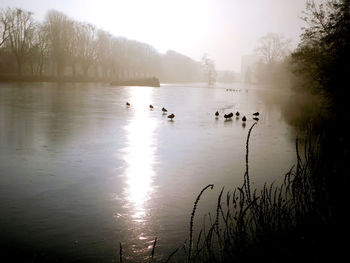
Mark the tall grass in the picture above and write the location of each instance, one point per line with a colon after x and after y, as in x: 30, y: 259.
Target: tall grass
x: 278, y: 223
x: 284, y: 222
x: 270, y: 223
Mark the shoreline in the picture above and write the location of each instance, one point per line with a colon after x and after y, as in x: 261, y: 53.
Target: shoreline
x: 154, y: 82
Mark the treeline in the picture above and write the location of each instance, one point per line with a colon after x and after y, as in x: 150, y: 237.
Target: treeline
x: 317, y: 71
x: 270, y: 63
x: 61, y: 47
x: 321, y: 60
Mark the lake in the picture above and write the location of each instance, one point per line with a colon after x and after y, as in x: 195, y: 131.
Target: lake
x: 80, y: 172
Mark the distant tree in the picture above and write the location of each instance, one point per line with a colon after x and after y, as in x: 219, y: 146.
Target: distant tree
x: 103, y: 51
x: 119, y: 62
x: 175, y: 67
x: 20, y: 34
x: 86, y: 43
x: 4, y: 27
x: 60, y: 43
x: 38, y: 52
x: 272, y: 48
x: 209, y: 69
x: 60, y: 32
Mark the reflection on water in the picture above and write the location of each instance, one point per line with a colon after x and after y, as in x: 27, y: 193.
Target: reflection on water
x: 139, y: 154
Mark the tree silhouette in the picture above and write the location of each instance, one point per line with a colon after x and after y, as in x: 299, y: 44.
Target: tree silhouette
x: 209, y: 69
x: 272, y: 48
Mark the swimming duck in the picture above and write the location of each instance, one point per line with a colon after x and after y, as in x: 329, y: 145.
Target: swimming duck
x: 151, y: 106
x: 216, y: 113
x: 244, y: 118
x: 127, y: 104
x: 164, y: 109
x: 256, y: 113
x: 228, y: 116
x: 237, y: 113
x: 171, y: 116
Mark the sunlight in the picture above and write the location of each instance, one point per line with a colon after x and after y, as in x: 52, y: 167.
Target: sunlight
x: 139, y: 153
x: 155, y: 21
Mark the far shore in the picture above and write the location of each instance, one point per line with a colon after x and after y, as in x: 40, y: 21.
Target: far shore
x: 79, y: 79
x: 152, y: 82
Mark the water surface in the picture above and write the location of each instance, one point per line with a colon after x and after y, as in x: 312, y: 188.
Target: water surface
x: 81, y: 172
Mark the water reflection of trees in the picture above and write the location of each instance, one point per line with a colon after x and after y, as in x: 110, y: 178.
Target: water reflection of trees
x: 54, y: 114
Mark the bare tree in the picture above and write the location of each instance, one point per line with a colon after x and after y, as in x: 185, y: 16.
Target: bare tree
x: 38, y: 49
x: 209, y: 69
x: 322, y: 57
x: 21, y: 31
x: 60, y: 42
x: 272, y: 48
x: 4, y: 27
x: 86, y: 41
x: 103, y: 51
x: 60, y: 32
x: 119, y: 63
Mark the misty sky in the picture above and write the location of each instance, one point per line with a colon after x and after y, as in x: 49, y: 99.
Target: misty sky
x: 225, y: 29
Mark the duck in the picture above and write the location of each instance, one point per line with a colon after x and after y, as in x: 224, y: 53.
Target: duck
x: 228, y: 116
x: 244, y: 118
x: 217, y: 114
x: 171, y: 116
x: 164, y: 109
x: 255, y: 118
x: 237, y: 113
x: 256, y: 113
x: 127, y: 104
x: 151, y: 106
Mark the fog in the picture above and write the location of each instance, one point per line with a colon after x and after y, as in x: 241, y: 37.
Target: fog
x: 115, y: 114
x: 226, y: 30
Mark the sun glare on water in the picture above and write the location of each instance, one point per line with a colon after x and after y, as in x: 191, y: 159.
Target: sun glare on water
x: 140, y: 151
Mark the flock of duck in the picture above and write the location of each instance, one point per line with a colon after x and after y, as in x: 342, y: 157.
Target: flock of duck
x: 164, y: 110
x: 234, y: 90
x: 244, y: 119
x: 226, y: 116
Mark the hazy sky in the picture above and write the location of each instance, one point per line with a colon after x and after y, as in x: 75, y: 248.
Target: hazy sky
x: 225, y: 29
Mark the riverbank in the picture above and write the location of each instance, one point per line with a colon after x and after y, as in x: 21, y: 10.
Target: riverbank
x: 151, y: 82
x: 301, y: 220
x: 15, y: 78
